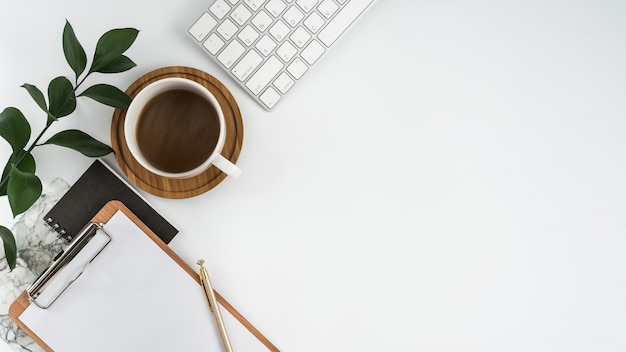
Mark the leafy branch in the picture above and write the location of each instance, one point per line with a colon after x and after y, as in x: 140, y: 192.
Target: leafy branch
x: 19, y: 182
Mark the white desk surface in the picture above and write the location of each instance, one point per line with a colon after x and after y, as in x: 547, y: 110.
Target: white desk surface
x: 450, y: 178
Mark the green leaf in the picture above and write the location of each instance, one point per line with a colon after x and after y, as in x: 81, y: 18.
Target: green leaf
x: 14, y: 128
x: 27, y: 165
x: 119, y: 64
x: 81, y: 142
x: 108, y: 95
x: 10, y: 247
x: 37, y: 96
x: 111, y: 45
x: 23, y: 190
x: 74, y: 52
x: 61, y: 97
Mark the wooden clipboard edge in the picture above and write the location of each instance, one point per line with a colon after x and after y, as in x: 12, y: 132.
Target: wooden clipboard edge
x: 104, y: 215
x: 15, y: 310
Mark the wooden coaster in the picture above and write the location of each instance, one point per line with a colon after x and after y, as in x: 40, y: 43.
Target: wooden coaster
x: 188, y: 187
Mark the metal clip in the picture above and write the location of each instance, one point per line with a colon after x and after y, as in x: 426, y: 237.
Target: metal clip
x: 45, y: 289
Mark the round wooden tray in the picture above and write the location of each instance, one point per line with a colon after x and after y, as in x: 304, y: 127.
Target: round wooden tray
x: 179, y: 188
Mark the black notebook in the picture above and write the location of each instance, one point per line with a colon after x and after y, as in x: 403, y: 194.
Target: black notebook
x: 96, y: 187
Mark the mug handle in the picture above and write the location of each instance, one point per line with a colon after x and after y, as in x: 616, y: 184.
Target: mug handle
x: 226, y: 166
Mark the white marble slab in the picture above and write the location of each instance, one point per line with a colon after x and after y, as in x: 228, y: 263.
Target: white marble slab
x: 36, y: 244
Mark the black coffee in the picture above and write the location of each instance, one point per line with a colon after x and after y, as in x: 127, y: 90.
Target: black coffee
x: 177, y: 130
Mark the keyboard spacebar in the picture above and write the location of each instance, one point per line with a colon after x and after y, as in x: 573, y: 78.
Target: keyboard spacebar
x: 342, y: 21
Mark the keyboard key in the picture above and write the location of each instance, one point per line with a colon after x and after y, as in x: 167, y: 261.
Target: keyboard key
x: 275, y: 7
x: 231, y: 53
x: 293, y: 16
x: 283, y: 82
x: 342, y: 21
x: 286, y: 51
x: 314, y: 22
x: 248, y: 35
x: 262, y: 20
x: 264, y: 75
x: 306, y: 5
x: 266, y: 45
x: 241, y: 14
x: 270, y: 97
x: 202, y: 27
x: 279, y: 30
x: 297, y: 68
x: 213, y: 44
x: 254, y: 4
x: 227, y: 29
x: 327, y: 8
x: 300, y: 36
x: 312, y: 52
x: 219, y: 8
x: 247, y: 65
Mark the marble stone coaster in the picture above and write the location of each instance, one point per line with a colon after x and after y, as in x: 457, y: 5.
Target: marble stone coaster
x: 36, y: 246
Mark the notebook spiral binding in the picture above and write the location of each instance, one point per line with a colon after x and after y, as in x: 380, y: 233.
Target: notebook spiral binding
x: 61, y: 233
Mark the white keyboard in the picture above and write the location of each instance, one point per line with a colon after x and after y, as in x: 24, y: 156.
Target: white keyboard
x: 269, y: 45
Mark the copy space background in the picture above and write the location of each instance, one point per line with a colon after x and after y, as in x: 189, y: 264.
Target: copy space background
x: 449, y: 178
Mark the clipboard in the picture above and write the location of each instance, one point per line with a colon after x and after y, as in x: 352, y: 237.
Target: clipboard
x: 23, y: 302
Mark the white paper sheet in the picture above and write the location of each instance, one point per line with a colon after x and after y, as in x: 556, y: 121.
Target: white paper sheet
x: 134, y: 297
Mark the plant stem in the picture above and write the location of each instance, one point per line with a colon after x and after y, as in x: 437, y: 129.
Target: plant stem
x: 34, y: 143
x: 81, y: 82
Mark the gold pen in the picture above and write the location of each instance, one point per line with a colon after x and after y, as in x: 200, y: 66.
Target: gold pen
x: 213, y: 306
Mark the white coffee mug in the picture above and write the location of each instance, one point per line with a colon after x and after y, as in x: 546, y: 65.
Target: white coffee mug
x: 163, y: 85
